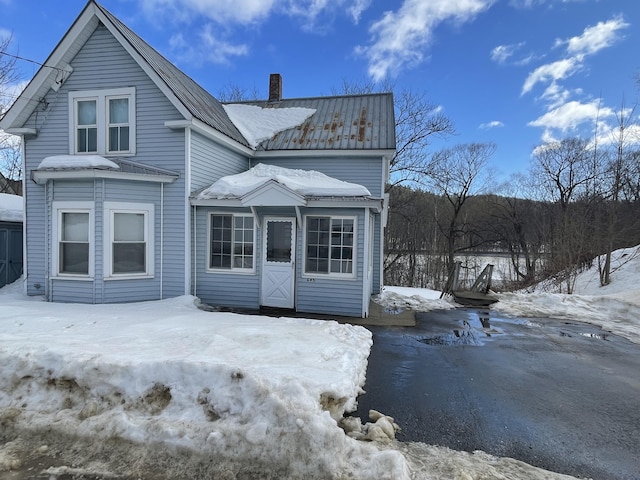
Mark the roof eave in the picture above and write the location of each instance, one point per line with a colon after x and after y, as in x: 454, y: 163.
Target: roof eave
x: 45, y: 77
x: 42, y: 176
x: 325, y: 153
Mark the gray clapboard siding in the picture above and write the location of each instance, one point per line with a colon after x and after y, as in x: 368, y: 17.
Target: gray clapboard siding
x: 236, y: 290
x: 366, y: 171
x: 103, y: 63
x: 72, y: 291
x: 332, y: 296
x: 210, y: 161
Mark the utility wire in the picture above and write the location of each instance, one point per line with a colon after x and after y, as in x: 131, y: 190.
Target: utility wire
x: 18, y: 57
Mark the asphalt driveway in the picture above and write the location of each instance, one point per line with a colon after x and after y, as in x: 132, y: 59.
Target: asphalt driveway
x: 559, y: 395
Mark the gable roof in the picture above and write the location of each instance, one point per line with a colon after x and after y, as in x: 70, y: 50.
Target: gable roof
x: 345, y: 123
x: 189, y: 98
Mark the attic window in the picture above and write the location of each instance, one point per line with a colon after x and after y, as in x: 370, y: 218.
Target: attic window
x: 102, y: 121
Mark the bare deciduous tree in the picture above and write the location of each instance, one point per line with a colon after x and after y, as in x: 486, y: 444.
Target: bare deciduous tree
x: 418, y: 121
x: 10, y: 160
x: 457, y: 174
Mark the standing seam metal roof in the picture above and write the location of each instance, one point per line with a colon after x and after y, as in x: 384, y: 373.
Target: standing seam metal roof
x: 348, y: 122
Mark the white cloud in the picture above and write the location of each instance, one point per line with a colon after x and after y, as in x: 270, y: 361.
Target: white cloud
x: 221, y: 11
x: 399, y: 38
x: 502, y: 53
x: 203, y: 43
x: 210, y: 48
x: 492, y: 124
x: 551, y: 72
x: 246, y: 12
x: 571, y: 115
x: 358, y: 7
x: 596, y: 38
x: 592, y: 40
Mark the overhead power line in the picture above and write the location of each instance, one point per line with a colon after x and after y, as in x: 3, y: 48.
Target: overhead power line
x: 18, y: 57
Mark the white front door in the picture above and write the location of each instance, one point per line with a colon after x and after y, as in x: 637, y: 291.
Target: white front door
x: 278, y: 262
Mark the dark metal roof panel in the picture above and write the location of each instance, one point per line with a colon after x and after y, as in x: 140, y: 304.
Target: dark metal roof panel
x: 349, y: 122
x: 200, y: 103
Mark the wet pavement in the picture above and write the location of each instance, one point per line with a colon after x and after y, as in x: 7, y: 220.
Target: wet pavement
x: 563, y: 396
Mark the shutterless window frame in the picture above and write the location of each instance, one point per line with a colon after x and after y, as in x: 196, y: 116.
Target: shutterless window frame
x: 330, y: 245
x: 102, y: 125
x: 111, y: 209
x: 234, y: 243
x: 59, y: 209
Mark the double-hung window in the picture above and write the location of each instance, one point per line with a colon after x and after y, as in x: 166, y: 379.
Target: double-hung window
x: 73, y: 236
x: 329, y: 245
x: 102, y: 121
x: 231, y: 242
x: 128, y: 240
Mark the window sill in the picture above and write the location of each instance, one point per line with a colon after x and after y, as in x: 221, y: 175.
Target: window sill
x: 127, y: 277
x: 77, y: 278
x: 230, y: 271
x: 329, y: 276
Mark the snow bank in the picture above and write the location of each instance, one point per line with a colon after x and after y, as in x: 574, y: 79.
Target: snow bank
x: 258, y: 124
x: 614, y: 307
x: 56, y: 162
x: 228, y: 386
x: 200, y: 395
x: 304, y: 182
x: 11, y: 208
x: 418, y: 299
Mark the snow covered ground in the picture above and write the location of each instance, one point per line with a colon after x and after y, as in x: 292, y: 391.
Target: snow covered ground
x: 198, y: 394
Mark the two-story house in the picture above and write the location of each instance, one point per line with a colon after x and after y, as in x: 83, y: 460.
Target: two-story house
x: 140, y: 185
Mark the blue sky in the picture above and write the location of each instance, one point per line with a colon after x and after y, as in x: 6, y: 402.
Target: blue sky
x: 512, y: 72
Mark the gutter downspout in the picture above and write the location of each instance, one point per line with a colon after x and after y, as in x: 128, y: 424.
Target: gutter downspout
x: 162, y: 241
x: 367, y: 278
x: 23, y: 169
x: 187, y: 210
x: 195, y: 251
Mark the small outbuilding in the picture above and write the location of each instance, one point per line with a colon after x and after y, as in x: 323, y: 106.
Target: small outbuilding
x: 11, y: 213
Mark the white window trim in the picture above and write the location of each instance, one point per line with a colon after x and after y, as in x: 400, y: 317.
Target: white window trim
x: 102, y: 119
x: 331, y: 275
x: 232, y: 270
x: 58, y: 208
x: 148, y: 209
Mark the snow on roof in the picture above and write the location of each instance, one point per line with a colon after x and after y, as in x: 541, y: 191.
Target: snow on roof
x: 11, y: 208
x: 76, y: 161
x: 305, y: 182
x: 258, y: 124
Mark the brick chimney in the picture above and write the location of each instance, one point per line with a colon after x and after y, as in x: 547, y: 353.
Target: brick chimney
x: 275, y: 87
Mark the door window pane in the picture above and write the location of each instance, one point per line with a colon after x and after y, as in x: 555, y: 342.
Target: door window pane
x: 279, y: 242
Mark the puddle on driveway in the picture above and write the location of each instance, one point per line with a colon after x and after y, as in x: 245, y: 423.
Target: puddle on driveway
x: 476, y: 327
x: 472, y: 332
x: 458, y: 337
